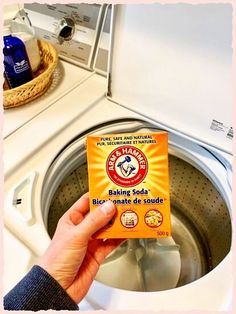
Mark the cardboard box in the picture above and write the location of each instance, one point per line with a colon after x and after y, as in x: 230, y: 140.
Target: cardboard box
x: 132, y: 171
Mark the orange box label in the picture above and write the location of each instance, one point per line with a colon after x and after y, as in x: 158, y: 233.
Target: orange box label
x: 131, y: 170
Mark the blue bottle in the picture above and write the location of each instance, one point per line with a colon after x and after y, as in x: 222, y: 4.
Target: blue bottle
x: 16, y: 62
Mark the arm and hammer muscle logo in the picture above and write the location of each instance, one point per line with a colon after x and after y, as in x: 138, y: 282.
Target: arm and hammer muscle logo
x: 127, y: 166
x: 127, y: 169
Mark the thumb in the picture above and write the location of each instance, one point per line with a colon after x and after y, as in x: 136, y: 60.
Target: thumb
x: 96, y: 219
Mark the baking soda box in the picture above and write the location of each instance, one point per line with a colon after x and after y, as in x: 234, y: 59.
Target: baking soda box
x: 131, y: 170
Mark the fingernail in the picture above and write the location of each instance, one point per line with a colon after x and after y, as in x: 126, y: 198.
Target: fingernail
x: 107, y: 207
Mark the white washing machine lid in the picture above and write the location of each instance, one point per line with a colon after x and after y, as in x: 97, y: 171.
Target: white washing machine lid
x: 173, y: 64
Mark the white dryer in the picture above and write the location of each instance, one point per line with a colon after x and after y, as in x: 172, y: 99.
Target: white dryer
x: 148, y: 90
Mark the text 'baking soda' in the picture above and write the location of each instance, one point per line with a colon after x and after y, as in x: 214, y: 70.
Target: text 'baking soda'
x: 131, y: 170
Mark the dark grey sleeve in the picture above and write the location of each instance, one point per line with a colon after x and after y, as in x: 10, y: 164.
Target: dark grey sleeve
x: 38, y: 291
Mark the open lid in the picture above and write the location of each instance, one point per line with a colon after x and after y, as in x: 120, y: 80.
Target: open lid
x: 173, y: 64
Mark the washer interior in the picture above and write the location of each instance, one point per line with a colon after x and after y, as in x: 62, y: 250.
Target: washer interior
x: 201, y: 230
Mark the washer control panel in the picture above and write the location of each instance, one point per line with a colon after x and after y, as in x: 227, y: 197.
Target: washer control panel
x: 102, y: 53
x: 72, y: 28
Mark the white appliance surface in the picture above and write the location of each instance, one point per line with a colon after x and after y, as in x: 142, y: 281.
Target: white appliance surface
x: 27, y: 168
x: 42, y: 129
x: 185, y: 52
x: 15, y: 118
x: 101, y: 58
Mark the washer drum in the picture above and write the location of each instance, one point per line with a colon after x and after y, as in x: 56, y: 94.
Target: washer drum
x: 201, y: 233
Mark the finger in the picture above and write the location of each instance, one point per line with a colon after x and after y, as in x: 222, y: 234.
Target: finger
x: 78, y: 210
x: 96, y: 219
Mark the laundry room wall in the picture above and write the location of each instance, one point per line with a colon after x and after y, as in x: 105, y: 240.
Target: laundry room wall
x: 10, y: 10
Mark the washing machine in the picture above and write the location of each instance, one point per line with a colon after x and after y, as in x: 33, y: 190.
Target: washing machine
x: 75, y: 31
x: 171, y: 73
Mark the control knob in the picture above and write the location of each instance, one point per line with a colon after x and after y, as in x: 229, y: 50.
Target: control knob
x: 65, y: 29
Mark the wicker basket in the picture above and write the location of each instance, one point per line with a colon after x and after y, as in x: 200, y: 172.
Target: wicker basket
x: 21, y: 95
